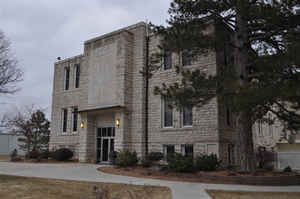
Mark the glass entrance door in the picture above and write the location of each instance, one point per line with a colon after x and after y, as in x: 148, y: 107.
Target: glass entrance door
x: 105, y: 143
x: 105, y: 149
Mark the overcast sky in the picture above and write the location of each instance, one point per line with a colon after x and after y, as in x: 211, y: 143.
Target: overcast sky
x: 42, y: 30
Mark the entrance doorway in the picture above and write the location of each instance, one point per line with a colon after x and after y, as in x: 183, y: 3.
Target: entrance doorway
x: 105, y: 143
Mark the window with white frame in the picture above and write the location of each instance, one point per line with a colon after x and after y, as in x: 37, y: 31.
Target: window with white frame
x: 67, y: 78
x: 64, y: 115
x: 76, y: 75
x: 187, y: 116
x: 167, y: 60
x: 167, y: 113
x: 75, y: 118
x: 187, y: 150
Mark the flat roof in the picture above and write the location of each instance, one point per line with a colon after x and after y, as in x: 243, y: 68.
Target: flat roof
x: 96, y: 108
x: 115, y: 32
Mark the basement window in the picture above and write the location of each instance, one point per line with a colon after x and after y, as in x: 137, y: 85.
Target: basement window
x: 187, y: 150
x: 169, y: 151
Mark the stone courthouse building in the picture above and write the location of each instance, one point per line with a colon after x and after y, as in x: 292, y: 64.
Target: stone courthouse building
x: 99, y: 102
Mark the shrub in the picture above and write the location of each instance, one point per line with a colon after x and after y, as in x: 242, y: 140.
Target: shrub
x: 45, y: 155
x: 180, y: 163
x: 62, y: 154
x: 230, y: 167
x: 112, y: 157
x: 34, y: 154
x: 287, y: 169
x: 207, y: 162
x: 155, y: 156
x: 265, y: 159
x: 14, y: 156
x: 126, y: 159
x: 146, y: 162
x: 14, y: 153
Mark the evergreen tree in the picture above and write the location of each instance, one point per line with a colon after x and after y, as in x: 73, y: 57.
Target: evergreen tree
x: 41, y: 131
x: 260, y: 70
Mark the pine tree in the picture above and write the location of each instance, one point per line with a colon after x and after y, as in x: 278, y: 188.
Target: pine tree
x: 261, y: 68
x: 41, y: 131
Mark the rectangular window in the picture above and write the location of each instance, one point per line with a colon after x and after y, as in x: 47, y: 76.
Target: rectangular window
x: 228, y: 118
x: 77, y: 75
x: 271, y: 130
x: 169, y: 151
x: 75, y: 119
x: 259, y: 127
x: 167, y: 61
x: 167, y: 113
x: 186, y: 58
x: 270, y: 125
x: 231, y: 157
x: 64, y: 120
x: 187, y: 150
x: 187, y: 116
x: 67, y: 78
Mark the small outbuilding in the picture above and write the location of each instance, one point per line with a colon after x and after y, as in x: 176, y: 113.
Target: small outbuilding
x: 9, y: 142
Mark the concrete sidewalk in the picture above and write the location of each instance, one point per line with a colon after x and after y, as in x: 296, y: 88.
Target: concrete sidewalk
x: 88, y: 172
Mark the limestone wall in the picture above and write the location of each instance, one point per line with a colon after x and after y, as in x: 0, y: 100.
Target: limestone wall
x: 204, y: 132
x: 67, y: 99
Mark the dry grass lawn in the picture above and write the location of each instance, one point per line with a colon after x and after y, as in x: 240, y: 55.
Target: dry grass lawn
x: 216, y: 194
x: 12, y: 187
x: 4, y: 158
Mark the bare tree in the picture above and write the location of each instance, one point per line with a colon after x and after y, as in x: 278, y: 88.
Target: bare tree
x: 10, y: 73
x: 18, y: 122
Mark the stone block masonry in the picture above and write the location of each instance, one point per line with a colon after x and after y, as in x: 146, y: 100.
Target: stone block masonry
x: 112, y: 88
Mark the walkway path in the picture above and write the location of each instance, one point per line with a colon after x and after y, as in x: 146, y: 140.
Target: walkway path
x: 88, y: 172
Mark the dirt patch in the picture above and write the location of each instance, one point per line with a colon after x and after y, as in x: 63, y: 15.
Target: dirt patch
x: 4, y: 158
x: 216, y: 177
x: 12, y: 187
x: 48, y: 161
x: 216, y: 194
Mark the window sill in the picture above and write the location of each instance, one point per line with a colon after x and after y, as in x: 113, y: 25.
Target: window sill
x: 73, y: 90
x: 168, y: 127
x: 162, y: 71
x: 177, y: 129
x: 167, y: 69
x: 187, y: 126
x: 69, y: 134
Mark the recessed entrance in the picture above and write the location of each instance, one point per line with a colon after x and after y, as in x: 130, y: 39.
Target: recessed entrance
x: 105, y: 143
